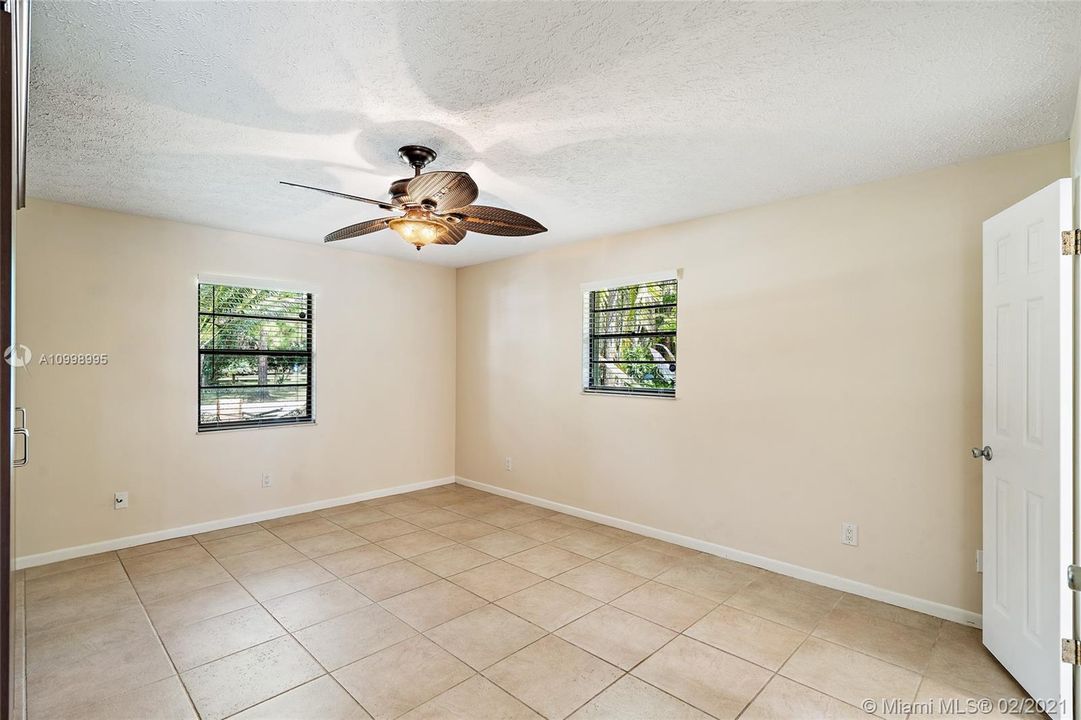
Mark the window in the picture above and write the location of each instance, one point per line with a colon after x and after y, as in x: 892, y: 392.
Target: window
x: 255, y: 357
x: 631, y: 339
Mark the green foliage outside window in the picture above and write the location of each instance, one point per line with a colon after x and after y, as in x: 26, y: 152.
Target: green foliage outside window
x: 254, y: 355
x: 632, y: 338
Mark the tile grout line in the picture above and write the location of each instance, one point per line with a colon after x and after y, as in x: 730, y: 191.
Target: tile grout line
x: 807, y: 634
x: 623, y: 673
x: 416, y: 632
x: 777, y: 672
x: 161, y: 643
x: 290, y: 633
x: 679, y: 561
x: 679, y: 634
x: 263, y: 607
x: 423, y: 633
x: 142, y: 604
x: 447, y: 577
x: 287, y: 633
x: 773, y: 673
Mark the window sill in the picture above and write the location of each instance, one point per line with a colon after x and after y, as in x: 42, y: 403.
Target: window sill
x: 616, y: 393
x: 282, y: 426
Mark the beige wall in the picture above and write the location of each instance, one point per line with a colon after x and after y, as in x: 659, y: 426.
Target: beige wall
x: 95, y: 281
x: 829, y: 370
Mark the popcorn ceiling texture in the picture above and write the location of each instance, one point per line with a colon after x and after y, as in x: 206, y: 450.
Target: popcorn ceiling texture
x: 594, y: 118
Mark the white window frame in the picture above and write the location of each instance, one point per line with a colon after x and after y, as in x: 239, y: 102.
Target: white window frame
x: 589, y: 287
x: 260, y: 283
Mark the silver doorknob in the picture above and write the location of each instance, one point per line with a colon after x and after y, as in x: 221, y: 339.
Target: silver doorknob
x: 984, y: 452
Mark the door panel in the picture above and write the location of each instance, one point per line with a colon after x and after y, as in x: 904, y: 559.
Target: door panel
x: 1028, y: 422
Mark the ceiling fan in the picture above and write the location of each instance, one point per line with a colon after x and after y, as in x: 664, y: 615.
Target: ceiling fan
x: 435, y: 207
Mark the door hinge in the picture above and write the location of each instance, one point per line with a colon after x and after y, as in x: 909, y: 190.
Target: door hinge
x: 1071, y: 242
x: 1073, y: 577
x: 1071, y: 652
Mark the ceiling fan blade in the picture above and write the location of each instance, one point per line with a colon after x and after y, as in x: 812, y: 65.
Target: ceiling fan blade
x: 361, y: 228
x: 455, y: 234
x: 380, y: 203
x: 497, y: 221
x: 448, y: 190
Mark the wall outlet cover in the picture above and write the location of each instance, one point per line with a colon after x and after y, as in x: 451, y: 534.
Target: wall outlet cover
x: 850, y: 533
x: 120, y: 500
x: 267, y: 480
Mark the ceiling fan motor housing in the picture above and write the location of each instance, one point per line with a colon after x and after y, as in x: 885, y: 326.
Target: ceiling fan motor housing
x: 416, y: 156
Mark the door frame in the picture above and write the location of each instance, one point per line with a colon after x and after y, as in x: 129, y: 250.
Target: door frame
x: 7, y: 410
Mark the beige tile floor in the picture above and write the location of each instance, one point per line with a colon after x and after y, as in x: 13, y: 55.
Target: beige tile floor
x: 453, y: 603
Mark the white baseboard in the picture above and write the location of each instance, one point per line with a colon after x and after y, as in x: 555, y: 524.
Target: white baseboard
x: 929, y: 607
x: 132, y: 540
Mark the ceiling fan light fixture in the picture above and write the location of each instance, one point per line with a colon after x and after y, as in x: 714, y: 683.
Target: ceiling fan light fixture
x: 437, y: 207
x: 417, y: 229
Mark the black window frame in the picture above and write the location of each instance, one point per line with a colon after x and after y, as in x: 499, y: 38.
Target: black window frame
x: 592, y: 362
x: 308, y: 355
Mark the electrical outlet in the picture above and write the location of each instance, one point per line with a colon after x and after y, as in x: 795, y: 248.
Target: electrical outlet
x: 979, y: 561
x: 267, y: 480
x: 120, y: 500
x: 507, y: 463
x: 850, y: 533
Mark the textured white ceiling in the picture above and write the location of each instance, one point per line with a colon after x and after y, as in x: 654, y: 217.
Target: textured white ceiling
x: 593, y: 118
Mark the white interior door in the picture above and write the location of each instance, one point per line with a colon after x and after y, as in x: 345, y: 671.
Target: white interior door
x: 1028, y: 424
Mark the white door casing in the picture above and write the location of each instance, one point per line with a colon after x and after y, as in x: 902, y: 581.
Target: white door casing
x: 1028, y: 423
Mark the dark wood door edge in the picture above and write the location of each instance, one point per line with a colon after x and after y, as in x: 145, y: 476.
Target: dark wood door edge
x: 7, y: 210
